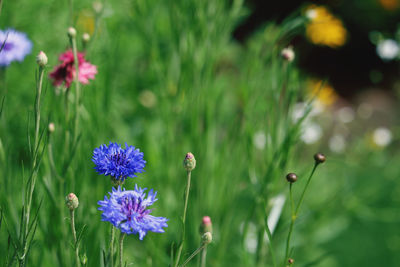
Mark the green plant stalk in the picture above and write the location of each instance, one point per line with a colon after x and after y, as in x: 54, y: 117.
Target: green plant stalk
x: 271, y: 247
x: 184, y: 218
x: 295, y: 212
x: 305, y: 188
x: 193, y: 254
x: 76, y: 244
x: 293, y: 219
x: 112, y: 245
x: 32, y: 182
x: 77, y: 86
x: 37, y: 111
x: 121, y: 248
x: 203, y: 259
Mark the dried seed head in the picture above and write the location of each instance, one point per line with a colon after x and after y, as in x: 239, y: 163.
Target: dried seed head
x: 207, y: 238
x: 319, y: 158
x: 189, y: 162
x: 206, y: 225
x: 71, y: 32
x: 41, y: 59
x: 72, y: 201
x: 291, y: 177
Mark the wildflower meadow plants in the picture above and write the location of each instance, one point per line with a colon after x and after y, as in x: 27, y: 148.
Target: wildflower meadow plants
x: 208, y: 95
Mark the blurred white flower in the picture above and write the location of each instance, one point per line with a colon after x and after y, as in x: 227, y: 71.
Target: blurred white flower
x: 345, y: 114
x: 300, y: 109
x: 312, y: 132
x: 276, y: 211
x: 382, y: 136
x: 387, y: 49
x: 337, y: 143
x: 259, y: 140
x: 311, y: 14
x: 250, y: 241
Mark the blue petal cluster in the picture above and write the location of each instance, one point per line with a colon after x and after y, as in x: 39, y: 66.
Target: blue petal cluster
x: 126, y: 210
x: 118, y: 162
x: 16, y: 46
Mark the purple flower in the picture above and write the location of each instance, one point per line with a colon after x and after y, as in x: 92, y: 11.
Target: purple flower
x: 127, y: 211
x: 117, y: 161
x: 16, y: 46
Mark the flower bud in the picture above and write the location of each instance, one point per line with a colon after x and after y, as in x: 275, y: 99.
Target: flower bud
x: 190, y: 162
x: 206, y: 225
x: 71, y: 32
x: 319, y: 158
x: 291, y: 177
x: 41, y: 59
x: 71, y: 200
x: 51, y: 127
x: 85, y: 37
x: 206, y: 238
x: 290, y: 261
x: 288, y: 54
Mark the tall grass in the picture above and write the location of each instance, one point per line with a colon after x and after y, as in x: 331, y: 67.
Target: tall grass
x: 171, y: 80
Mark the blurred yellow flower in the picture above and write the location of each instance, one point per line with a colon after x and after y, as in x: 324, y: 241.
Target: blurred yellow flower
x: 324, y: 28
x: 86, y: 22
x: 323, y: 92
x: 389, y: 4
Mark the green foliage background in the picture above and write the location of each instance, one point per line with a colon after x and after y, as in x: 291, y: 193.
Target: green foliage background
x: 212, y: 95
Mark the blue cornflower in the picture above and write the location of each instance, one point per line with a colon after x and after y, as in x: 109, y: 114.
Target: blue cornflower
x: 126, y: 210
x: 118, y: 162
x: 16, y: 46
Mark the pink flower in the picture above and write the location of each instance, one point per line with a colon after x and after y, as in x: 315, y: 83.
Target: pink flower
x: 65, y: 72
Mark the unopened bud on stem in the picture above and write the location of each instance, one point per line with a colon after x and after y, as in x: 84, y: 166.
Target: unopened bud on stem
x: 291, y: 177
x: 85, y: 37
x: 288, y: 54
x: 71, y: 32
x: 52, y: 127
x: 189, y: 162
x: 206, y: 225
x: 206, y: 238
x: 72, y: 202
x: 319, y: 158
x: 41, y: 59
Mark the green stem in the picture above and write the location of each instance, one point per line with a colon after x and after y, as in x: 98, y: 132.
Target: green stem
x: 77, y: 86
x: 295, y: 212
x: 121, y: 248
x: 76, y: 245
x: 203, y: 257
x: 193, y: 254
x: 305, y: 188
x: 112, y: 245
x: 37, y: 111
x: 293, y: 219
x: 184, y: 218
x: 32, y: 182
x: 271, y: 247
